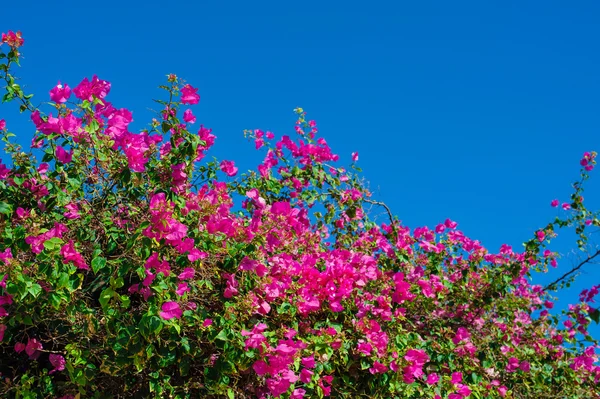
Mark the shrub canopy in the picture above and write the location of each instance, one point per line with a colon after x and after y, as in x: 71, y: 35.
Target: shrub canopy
x: 132, y: 266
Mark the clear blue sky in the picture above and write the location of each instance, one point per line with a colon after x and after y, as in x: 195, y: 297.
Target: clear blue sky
x: 477, y: 111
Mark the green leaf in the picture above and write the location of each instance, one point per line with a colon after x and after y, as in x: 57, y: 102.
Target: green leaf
x: 222, y: 335
x: 595, y: 315
x: 5, y: 208
x: 105, y: 297
x: 98, y: 263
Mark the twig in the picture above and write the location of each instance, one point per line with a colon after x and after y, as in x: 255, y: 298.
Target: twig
x: 573, y: 270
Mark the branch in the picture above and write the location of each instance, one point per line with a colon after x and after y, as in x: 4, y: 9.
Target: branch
x: 573, y: 270
x: 389, y: 212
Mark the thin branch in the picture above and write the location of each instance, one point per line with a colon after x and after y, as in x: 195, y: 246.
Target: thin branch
x: 389, y: 212
x: 573, y: 270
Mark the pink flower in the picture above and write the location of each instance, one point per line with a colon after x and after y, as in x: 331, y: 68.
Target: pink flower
x: 298, y: 393
x: 12, y: 39
x: 2, y: 329
x: 456, y: 377
x: 170, y: 310
x: 189, y: 95
x: 33, y: 348
x: 306, y: 376
x: 554, y: 203
x: 72, y: 211
x: 62, y: 156
x: 462, y: 334
x: 502, y: 390
x: 308, y: 362
x: 378, y: 368
x: 355, y: 156
x: 19, y: 347
x: 188, y: 116
x: 182, y: 288
x: 187, y: 274
x: 450, y: 224
x: 2, y: 124
x: 432, y: 379
x: 58, y: 362
x: 513, y: 364
x: 60, y: 94
x: 86, y: 89
x: 229, y: 168
x: 540, y: 235
x: 525, y: 366
x: 566, y: 206
x: 207, y: 323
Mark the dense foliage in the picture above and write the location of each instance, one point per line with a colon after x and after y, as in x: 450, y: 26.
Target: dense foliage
x: 131, y: 266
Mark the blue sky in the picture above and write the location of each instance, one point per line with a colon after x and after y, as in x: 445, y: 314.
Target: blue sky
x: 477, y: 111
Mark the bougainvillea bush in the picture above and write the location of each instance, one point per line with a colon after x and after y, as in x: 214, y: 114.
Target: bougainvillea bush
x: 131, y: 265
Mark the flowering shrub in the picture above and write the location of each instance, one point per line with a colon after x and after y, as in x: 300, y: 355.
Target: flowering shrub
x: 132, y: 267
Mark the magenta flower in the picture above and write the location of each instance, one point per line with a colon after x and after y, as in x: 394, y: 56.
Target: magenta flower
x: 540, y: 235
x: 188, y: 116
x: 171, y: 310
x: 2, y: 329
x: 187, y: 273
x: 189, y: 95
x: 182, y: 288
x: 2, y: 124
x: 86, y: 89
x: 58, y: 362
x: 525, y: 366
x: 355, y: 156
x: 566, y: 206
x: 33, y: 348
x: 456, y: 377
x: 60, y: 94
x: 432, y: 379
x: 63, y: 156
x: 554, y: 203
x: 229, y: 168
x: 72, y: 211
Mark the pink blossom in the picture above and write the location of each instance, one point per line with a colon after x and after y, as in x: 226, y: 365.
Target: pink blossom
x: 58, y: 362
x: 2, y: 329
x: 170, y: 310
x: 72, y: 211
x: 63, y: 156
x: 355, y: 156
x: 298, y: 393
x: 86, y: 89
x: 33, y: 348
x: 378, y: 368
x: 182, y: 288
x: 2, y: 124
x: 540, y: 235
x: 462, y: 334
x: 60, y: 94
x: 432, y: 379
x: 187, y: 274
x: 189, y: 95
x: 12, y: 39
x: 207, y: 323
x: 229, y: 168
x: 554, y: 203
x: 306, y: 376
x: 566, y: 206
x: 188, y: 116
x: 456, y: 377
